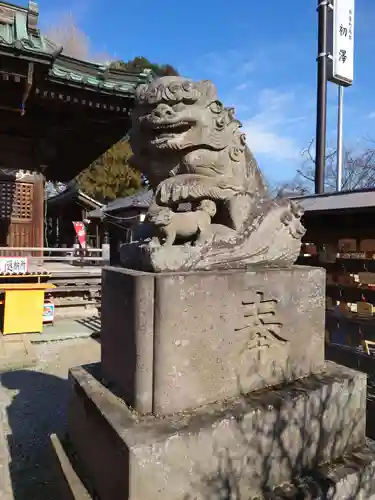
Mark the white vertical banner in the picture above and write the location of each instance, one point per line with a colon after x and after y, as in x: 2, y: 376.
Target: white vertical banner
x: 341, y: 42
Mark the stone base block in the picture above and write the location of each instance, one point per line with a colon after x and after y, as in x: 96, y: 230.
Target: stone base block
x: 352, y: 478
x: 249, y: 444
x: 171, y: 342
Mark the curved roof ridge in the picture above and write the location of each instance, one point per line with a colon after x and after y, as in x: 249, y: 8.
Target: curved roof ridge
x: 19, y: 33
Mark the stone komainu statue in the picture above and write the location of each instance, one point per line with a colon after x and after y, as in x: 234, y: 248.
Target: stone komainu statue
x: 193, y: 151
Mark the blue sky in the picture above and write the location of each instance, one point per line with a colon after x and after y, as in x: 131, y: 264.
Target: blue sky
x: 260, y: 54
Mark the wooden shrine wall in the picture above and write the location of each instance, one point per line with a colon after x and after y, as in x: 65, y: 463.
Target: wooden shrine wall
x: 21, y: 210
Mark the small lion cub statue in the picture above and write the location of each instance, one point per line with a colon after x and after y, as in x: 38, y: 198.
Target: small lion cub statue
x: 188, y: 226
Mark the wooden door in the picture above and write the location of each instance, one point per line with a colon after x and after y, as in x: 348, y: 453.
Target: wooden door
x: 21, y: 211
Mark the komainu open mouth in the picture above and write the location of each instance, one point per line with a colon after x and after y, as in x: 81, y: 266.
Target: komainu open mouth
x: 171, y: 128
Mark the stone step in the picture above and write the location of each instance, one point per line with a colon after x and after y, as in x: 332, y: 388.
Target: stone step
x: 347, y: 479
x: 262, y: 439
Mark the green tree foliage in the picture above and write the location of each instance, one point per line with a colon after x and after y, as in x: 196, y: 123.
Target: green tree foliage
x: 140, y: 63
x: 110, y: 176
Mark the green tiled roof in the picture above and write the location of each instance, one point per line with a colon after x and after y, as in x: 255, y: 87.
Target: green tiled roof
x: 103, y: 78
x: 19, y: 32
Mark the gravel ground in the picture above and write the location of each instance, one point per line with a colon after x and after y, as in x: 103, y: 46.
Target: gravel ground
x: 33, y: 404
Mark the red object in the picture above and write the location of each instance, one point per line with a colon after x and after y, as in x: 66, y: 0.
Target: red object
x: 80, y: 230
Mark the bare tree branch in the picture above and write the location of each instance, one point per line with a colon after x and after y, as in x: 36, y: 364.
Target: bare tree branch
x: 74, y: 41
x: 358, y: 169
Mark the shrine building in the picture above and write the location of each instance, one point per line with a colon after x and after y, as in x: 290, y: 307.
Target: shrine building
x: 57, y: 115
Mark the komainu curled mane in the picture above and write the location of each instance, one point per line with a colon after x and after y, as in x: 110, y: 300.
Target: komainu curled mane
x: 192, y: 149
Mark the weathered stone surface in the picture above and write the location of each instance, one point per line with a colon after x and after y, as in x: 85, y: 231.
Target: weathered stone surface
x: 248, y: 444
x: 176, y: 341
x: 194, y: 153
x: 350, y: 478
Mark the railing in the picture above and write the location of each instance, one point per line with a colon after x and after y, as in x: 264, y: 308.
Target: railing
x: 74, y: 255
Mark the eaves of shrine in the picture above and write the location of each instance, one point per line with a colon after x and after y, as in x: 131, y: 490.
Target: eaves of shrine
x: 57, y: 114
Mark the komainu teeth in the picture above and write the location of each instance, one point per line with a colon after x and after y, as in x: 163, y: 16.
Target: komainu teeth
x: 171, y: 125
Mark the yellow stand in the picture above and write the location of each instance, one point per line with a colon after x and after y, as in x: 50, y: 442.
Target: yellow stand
x: 23, y: 307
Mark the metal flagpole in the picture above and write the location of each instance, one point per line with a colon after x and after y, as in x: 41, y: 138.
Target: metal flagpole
x: 321, y: 115
x: 339, y: 151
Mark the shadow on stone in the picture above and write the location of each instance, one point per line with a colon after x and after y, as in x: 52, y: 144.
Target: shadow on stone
x: 235, y: 449
x: 316, y: 438
x: 38, y: 408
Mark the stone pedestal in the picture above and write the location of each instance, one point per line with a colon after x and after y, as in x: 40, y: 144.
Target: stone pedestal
x: 213, y: 385
x: 172, y: 342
